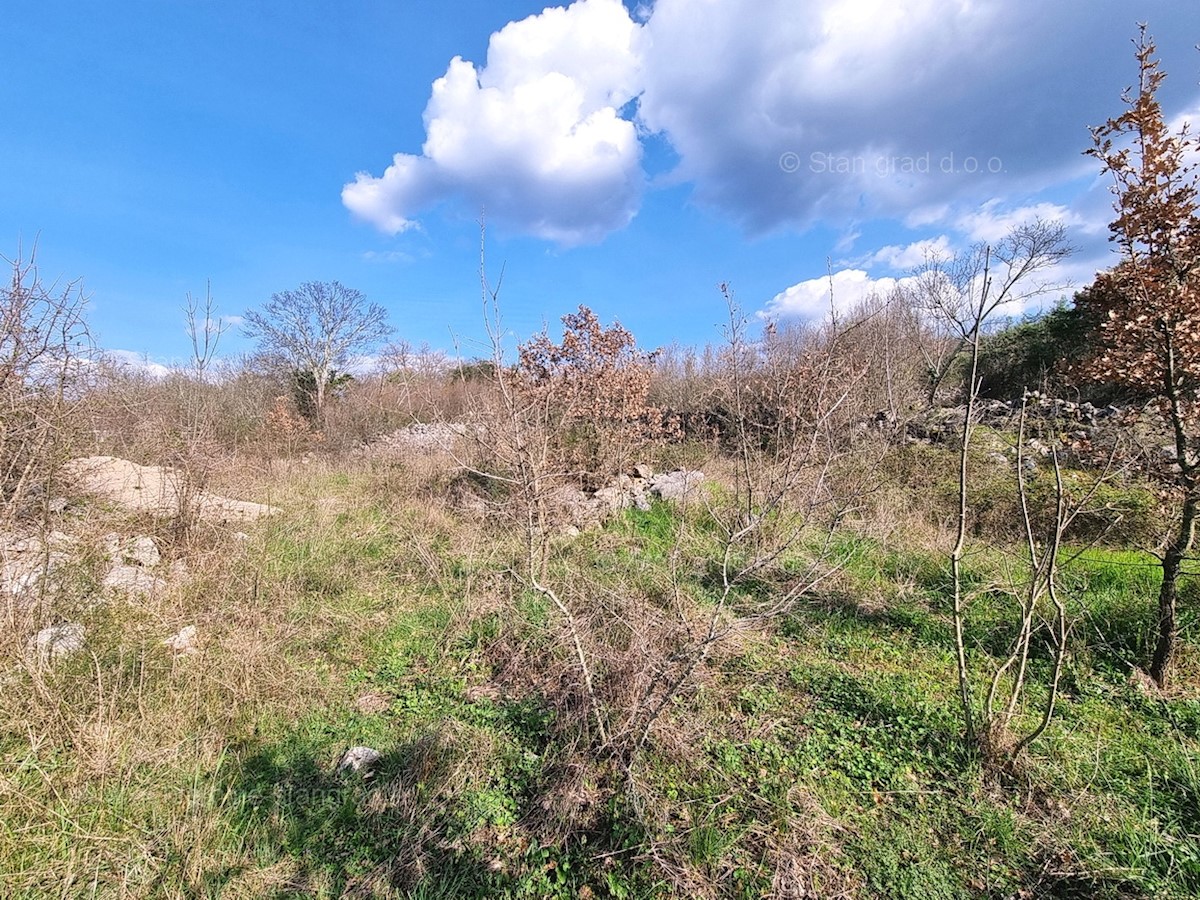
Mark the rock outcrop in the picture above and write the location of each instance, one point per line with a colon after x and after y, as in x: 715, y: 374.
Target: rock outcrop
x: 158, y: 490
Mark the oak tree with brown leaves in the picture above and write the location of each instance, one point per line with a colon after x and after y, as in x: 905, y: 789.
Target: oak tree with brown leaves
x: 594, y: 387
x: 1148, y: 305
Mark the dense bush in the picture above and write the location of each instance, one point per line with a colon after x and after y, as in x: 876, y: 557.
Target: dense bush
x: 1046, y: 352
x: 593, y: 389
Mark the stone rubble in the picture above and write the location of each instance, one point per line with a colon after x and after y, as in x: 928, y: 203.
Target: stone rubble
x: 29, y: 564
x: 130, y: 574
x: 420, y: 437
x: 944, y: 423
x: 142, y: 551
x: 581, y: 510
x: 133, y: 582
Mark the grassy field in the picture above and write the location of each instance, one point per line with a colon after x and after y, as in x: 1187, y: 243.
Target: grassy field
x: 815, y: 754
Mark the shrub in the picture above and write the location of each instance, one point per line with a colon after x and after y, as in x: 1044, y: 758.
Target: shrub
x: 594, y: 389
x: 43, y: 341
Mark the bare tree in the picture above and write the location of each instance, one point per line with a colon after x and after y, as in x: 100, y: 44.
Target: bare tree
x: 43, y: 344
x: 317, y: 328
x: 791, y: 403
x: 43, y: 339
x: 789, y: 399
x: 204, y: 330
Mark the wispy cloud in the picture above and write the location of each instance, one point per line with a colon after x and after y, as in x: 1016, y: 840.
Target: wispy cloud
x: 903, y: 258
x: 387, y: 256
x: 993, y: 220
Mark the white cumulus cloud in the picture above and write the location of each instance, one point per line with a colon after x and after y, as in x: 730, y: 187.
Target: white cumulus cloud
x: 1188, y: 122
x: 776, y: 113
x: 138, y: 362
x: 536, y: 137
x: 784, y: 113
x: 993, y: 220
x: 811, y: 299
x: 780, y: 115
x: 913, y: 255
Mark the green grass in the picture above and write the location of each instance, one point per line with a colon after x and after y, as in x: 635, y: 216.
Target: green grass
x: 819, y: 752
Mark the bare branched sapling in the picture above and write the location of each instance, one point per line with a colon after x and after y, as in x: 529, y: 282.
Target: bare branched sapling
x: 964, y: 292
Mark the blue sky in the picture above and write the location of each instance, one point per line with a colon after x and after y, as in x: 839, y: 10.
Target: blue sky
x: 629, y: 156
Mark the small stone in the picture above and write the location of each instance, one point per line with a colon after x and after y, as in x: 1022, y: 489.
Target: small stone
x: 359, y: 759
x: 1039, y: 447
x: 643, y: 471
x: 28, y: 564
x: 240, y: 536
x: 142, y: 551
x: 18, y: 581
x: 111, y: 544
x: 998, y: 459
x: 1144, y: 684
x: 27, y: 545
x: 676, y: 486
x: 133, y: 581
x: 184, y: 641
x: 56, y: 642
x: 60, y: 540
x: 612, y: 499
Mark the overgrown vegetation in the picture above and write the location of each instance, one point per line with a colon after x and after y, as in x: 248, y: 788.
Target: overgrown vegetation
x: 819, y: 754
x: 877, y: 635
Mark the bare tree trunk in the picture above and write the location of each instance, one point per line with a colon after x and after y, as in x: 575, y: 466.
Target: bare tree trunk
x: 1181, y: 542
x: 1168, y: 591
x: 319, y: 396
x: 956, y: 554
